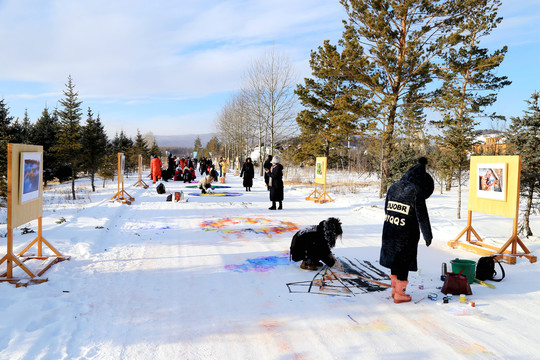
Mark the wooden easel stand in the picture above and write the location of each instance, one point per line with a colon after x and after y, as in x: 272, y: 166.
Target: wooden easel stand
x: 479, y: 247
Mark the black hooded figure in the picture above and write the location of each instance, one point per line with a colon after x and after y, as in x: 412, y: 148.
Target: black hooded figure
x: 315, y: 243
x: 267, y: 166
x: 248, y: 173
x: 406, y: 215
x: 275, y: 183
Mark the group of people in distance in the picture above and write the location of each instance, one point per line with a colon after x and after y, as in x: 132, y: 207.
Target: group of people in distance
x: 406, y: 216
x: 178, y: 169
x: 209, y: 173
x: 273, y: 178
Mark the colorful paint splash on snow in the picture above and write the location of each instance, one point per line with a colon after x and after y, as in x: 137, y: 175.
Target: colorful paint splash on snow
x: 216, y: 194
x: 256, y: 225
x: 260, y: 264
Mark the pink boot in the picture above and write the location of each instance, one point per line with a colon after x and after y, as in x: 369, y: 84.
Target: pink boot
x: 393, y: 279
x: 400, y: 295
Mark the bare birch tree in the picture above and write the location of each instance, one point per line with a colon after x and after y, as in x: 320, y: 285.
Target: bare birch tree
x: 269, y: 88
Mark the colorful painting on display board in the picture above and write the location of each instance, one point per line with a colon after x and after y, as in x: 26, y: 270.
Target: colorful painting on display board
x: 320, y: 170
x: 492, y: 181
x: 494, y: 185
x: 25, y: 183
x: 30, y: 176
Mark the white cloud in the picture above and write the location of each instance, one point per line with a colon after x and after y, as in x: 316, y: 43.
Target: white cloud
x: 124, y: 49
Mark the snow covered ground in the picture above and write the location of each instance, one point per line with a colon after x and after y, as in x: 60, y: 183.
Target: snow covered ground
x: 207, y: 279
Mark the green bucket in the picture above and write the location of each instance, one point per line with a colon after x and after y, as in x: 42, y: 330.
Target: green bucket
x: 468, y: 267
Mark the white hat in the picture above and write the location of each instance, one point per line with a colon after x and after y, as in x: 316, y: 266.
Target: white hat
x: 275, y: 160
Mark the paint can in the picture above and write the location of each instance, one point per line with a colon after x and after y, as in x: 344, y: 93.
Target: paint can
x: 421, y: 287
x: 462, y: 298
x: 445, y: 300
x: 432, y: 296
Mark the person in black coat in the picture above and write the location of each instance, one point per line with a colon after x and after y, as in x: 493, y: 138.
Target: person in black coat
x: 187, y: 175
x: 267, y: 166
x: 212, y: 172
x: 248, y: 173
x: 406, y: 215
x: 275, y: 182
x: 315, y: 243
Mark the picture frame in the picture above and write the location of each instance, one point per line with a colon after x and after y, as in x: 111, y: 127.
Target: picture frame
x: 320, y: 170
x: 30, y: 176
x: 123, y: 164
x: 492, y: 180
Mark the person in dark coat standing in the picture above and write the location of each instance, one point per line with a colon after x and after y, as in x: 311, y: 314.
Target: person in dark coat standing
x: 275, y: 182
x: 248, y: 173
x: 315, y: 243
x: 267, y: 166
x: 406, y: 215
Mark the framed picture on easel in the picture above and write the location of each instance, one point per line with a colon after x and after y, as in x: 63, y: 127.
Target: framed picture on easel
x: 492, y: 180
x: 30, y: 177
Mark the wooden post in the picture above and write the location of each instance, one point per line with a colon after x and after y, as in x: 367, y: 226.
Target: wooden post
x: 121, y: 195
x: 314, y: 194
x: 10, y: 258
x: 140, y: 182
x: 40, y: 241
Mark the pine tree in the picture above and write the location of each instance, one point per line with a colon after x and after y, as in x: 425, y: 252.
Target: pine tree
x: 15, y: 132
x: 94, y: 146
x: 45, y: 133
x: 213, y: 147
x: 109, y: 166
x: 469, y: 86
x: 69, y: 135
x: 389, y: 48
x: 5, y: 125
x: 140, y: 148
x: 122, y: 143
x: 26, y: 129
x: 333, y: 106
x: 155, y: 150
x: 523, y: 138
x: 197, y: 146
x: 19, y: 132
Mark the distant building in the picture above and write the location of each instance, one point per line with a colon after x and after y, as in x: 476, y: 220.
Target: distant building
x: 490, y: 145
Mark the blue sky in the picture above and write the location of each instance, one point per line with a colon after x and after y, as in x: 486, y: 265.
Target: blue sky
x: 169, y: 66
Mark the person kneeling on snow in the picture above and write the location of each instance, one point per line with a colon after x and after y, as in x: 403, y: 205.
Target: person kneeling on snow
x: 315, y: 243
x: 205, y: 183
x: 187, y: 175
x: 406, y: 215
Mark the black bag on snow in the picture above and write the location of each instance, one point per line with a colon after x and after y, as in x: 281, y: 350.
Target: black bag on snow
x: 485, y: 268
x: 160, y: 188
x: 169, y: 197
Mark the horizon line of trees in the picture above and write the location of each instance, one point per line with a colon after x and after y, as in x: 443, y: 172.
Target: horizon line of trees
x: 70, y: 147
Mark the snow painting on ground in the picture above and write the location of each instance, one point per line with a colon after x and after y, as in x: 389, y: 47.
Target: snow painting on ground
x: 210, y: 278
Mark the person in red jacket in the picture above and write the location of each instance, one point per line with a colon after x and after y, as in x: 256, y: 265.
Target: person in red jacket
x: 155, y: 168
